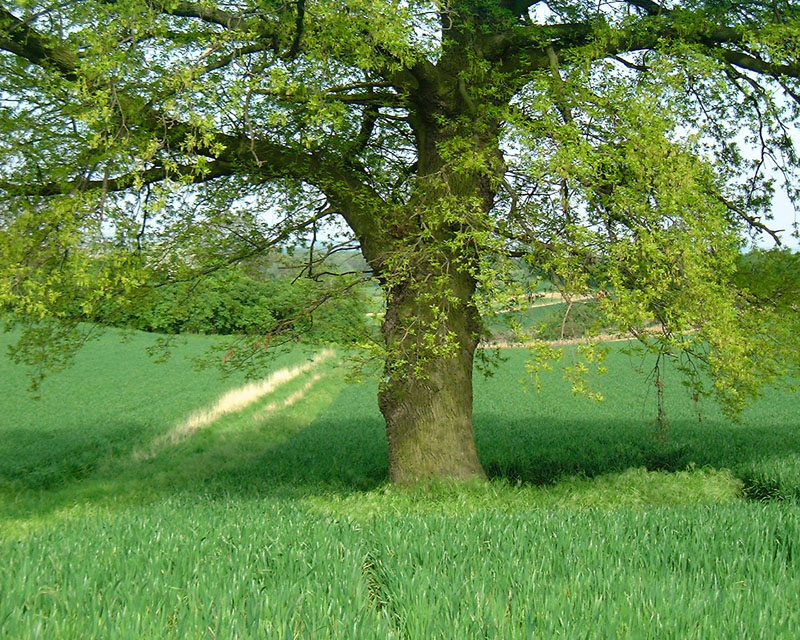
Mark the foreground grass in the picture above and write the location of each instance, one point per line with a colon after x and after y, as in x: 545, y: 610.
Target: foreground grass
x: 213, y: 566
x: 276, y: 521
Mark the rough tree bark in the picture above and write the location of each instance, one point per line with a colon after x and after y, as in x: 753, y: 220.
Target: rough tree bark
x: 426, y: 392
x: 432, y: 326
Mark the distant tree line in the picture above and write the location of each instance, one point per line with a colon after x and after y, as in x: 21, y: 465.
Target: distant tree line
x: 270, y: 296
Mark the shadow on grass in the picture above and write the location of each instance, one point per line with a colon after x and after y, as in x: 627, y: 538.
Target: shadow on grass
x: 541, y: 452
x: 47, y: 459
x: 284, y: 458
x: 344, y: 451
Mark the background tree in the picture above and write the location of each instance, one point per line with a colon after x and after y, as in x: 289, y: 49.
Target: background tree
x: 601, y: 141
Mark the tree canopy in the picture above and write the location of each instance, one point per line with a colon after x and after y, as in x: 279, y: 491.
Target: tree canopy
x: 627, y: 148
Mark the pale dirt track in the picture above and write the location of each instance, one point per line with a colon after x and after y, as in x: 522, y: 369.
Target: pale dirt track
x: 602, y: 337
x: 237, y: 400
x: 551, y: 299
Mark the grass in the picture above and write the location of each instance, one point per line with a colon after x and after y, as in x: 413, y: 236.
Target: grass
x: 276, y: 520
x: 528, y: 317
x: 200, y: 566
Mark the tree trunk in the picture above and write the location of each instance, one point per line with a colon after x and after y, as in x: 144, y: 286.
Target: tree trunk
x: 426, y: 393
x: 432, y: 327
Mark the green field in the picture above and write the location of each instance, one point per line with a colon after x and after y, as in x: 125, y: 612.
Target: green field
x: 117, y: 520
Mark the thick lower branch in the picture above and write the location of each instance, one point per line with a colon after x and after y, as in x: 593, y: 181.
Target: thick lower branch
x: 188, y: 174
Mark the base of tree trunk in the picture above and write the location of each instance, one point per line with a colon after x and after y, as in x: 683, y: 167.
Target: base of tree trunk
x: 429, y: 423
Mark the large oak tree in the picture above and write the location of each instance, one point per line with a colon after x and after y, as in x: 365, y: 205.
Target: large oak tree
x: 624, y: 146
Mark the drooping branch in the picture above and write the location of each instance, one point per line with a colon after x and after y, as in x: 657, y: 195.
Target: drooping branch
x: 265, y: 160
x: 751, y: 221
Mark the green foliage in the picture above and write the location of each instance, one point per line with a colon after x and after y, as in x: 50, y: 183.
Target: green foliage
x: 771, y: 279
x: 223, y: 303
x: 230, y: 302
x: 578, y: 320
x: 607, y: 144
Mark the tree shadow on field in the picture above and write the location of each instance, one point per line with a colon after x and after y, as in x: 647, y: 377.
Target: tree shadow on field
x: 47, y: 459
x: 343, y: 450
x: 331, y: 453
x: 540, y: 450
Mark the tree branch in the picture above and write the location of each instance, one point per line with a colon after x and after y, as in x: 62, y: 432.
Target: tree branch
x: 518, y: 7
x: 231, y: 21
x: 342, y: 184
x: 225, y: 60
x: 365, y: 131
x: 189, y: 174
x: 755, y: 223
x: 370, y: 98
x: 20, y: 39
x: 298, y: 28
x: 649, y: 7
x: 752, y: 63
x: 204, y: 12
x: 528, y: 45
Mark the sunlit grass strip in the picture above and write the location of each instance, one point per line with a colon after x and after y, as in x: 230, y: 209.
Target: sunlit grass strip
x: 290, y: 400
x: 232, y: 401
x: 634, y: 488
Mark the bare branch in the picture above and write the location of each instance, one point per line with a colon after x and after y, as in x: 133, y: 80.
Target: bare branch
x: 755, y: 223
x: 236, y: 54
x: 752, y: 63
